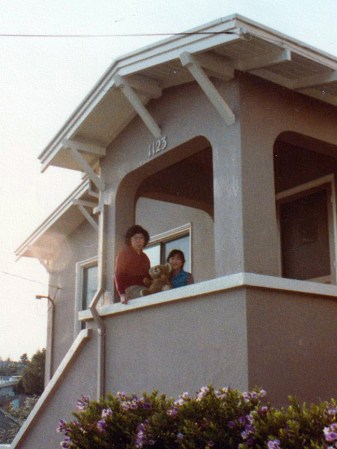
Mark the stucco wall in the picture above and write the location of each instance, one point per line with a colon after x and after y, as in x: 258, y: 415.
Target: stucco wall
x: 290, y: 341
x: 81, y: 245
x: 179, y: 346
x: 79, y: 379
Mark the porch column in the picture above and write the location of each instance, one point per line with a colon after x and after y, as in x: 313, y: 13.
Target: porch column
x: 260, y: 228
x: 245, y: 227
x: 228, y: 214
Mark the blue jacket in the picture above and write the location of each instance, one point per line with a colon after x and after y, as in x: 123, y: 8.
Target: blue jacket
x: 181, y: 279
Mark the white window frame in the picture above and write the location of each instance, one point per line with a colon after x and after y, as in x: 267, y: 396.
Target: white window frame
x: 299, y: 191
x: 80, y: 267
x: 174, y: 234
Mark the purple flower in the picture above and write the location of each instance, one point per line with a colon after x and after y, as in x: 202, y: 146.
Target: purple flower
x: 262, y: 393
x: 172, y: 412
x: 180, y: 436
x: 274, y: 444
x: 231, y: 424
x: 126, y: 405
x: 106, y: 413
x: 222, y: 393
x: 263, y: 410
x: 102, y: 425
x: 62, y: 427
x: 202, y: 392
x: 121, y: 394
x: 330, y: 434
x: 83, y: 403
x: 242, y: 419
x: 141, y: 437
x: 66, y: 443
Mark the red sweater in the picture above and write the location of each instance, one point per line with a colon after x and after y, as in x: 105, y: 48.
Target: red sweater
x: 130, y: 269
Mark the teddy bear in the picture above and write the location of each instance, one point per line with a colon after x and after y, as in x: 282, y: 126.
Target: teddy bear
x: 160, y: 279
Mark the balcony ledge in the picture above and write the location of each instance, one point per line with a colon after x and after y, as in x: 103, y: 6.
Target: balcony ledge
x: 224, y: 283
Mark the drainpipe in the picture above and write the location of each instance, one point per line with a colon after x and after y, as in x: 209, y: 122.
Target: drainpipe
x: 52, y: 319
x: 92, y: 307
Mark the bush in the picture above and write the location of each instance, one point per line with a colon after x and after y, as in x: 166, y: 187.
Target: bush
x: 213, y: 419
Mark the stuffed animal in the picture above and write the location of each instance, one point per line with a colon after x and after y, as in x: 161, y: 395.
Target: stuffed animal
x: 160, y: 279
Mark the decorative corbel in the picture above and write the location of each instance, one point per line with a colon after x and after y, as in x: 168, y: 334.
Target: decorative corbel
x: 82, y: 207
x: 137, y: 104
x: 194, y: 67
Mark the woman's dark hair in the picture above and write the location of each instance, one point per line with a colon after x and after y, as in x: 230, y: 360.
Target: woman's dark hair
x: 133, y: 230
x: 176, y: 252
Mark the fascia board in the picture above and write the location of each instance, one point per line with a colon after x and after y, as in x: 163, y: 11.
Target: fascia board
x: 82, y: 189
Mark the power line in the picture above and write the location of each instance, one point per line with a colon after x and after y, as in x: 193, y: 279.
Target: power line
x: 76, y: 36
x: 29, y: 280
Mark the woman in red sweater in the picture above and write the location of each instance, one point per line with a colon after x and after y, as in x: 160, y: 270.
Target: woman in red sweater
x: 132, y: 264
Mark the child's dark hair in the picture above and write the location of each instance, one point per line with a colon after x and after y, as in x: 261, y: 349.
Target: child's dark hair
x: 133, y: 230
x: 176, y: 252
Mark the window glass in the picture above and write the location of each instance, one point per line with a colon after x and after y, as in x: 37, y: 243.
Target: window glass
x: 90, y: 282
x: 153, y: 253
x: 159, y: 251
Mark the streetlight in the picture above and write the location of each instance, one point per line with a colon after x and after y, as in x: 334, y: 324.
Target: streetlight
x: 49, y: 368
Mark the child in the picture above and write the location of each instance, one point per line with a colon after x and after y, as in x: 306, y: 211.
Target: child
x: 179, y: 277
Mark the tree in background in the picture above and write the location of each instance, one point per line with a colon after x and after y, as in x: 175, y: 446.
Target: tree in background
x: 32, y: 381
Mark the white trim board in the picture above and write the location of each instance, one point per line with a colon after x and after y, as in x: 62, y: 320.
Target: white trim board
x: 233, y: 281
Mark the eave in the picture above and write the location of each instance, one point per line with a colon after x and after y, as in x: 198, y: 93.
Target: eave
x: 216, y: 49
x: 62, y: 221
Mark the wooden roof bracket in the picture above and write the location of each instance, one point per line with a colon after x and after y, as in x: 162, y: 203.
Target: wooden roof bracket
x: 82, y: 207
x: 76, y: 148
x: 137, y: 104
x: 194, y: 67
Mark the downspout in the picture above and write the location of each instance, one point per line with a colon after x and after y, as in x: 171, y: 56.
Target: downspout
x: 93, y: 305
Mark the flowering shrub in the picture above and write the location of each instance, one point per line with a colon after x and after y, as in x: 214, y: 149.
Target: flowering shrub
x: 212, y: 419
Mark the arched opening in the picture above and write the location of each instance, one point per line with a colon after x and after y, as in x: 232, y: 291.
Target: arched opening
x: 173, y: 199
x: 305, y: 183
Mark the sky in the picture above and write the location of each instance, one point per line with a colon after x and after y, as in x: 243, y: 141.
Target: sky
x: 43, y: 80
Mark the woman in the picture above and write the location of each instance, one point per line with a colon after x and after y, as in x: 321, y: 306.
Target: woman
x: 179, y: 277
x: 132, y: 264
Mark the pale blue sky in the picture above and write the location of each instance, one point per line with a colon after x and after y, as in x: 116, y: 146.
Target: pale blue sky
x: 42, y: 80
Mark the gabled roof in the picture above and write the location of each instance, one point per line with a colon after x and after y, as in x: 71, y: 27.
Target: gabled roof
x: 220, y: 47
x: 64, y: 220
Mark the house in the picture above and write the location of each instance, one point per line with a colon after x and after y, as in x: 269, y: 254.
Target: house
x: 221, y: 141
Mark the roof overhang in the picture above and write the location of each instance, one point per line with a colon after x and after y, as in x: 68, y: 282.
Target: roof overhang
x: 62, y: 222
x: 220, y: 48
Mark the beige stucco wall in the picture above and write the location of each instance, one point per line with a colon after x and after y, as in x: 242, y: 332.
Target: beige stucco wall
x: 179, y: 347
x: 290, y: 345
x: 81, y: 245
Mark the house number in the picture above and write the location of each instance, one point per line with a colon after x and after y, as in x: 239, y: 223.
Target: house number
x: 157, y: 146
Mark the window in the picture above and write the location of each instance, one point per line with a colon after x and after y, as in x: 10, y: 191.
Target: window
x: 86, y: 286
x: 307, y: 227
x: 89, y: 286
x: 160, y: 245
